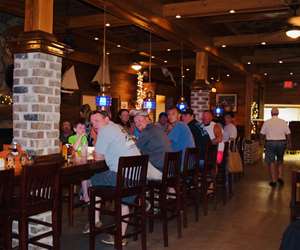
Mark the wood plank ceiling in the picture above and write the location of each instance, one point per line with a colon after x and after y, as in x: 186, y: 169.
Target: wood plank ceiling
x: 240, y: 36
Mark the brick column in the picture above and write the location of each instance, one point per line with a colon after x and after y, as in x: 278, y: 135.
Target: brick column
x: 200, y: 91
x: 199, y: 101
x: 36, y: 97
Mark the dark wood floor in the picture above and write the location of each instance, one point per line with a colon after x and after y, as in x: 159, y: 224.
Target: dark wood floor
x: 254, y: 219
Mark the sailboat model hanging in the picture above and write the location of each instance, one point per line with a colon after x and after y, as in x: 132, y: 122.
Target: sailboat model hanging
x: 69, y: 81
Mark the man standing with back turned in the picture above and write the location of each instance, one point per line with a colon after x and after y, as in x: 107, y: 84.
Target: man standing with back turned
x: 276, y: 133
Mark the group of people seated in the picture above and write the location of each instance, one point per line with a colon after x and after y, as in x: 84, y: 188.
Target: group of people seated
x: 133, y: 133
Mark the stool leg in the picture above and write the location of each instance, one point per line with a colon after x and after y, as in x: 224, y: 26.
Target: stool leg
x: 183, y: 205
x: 23, y: 233
x: 151, y: 212
x: 143, y: 225
x: 178, y: 212
x: 92, y: 221
x: 7, y: 234
x: 71, y: 204
x: 56, y: 230
x: 163, y: 215
x: 196, y: 198
x: 118, y: 219
x: 204, y: 196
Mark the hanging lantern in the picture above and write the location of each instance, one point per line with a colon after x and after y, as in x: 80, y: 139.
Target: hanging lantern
x: 149, y: 103
x: 182, y: 105
x: 103, y: 100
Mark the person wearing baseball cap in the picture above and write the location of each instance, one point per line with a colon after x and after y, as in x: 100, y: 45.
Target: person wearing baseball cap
x: 152, y: 140
x: 276, y: 134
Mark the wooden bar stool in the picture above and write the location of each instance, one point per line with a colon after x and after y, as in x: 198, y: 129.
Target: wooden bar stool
x: 208, y: 176
x: 131, y: 181
x: 168, y: 205
x: 191, y: 183
x: 6, y: 187
x: 295, y: 202
x: 222, y: 177
x: 39, y: 193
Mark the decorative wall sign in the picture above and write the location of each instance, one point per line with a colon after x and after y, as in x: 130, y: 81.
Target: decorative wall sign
x: 228, y: 101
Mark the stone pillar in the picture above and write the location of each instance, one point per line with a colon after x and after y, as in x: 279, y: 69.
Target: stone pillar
x: 200, y: 92
x: 199, y: 101
x: 36, y: 97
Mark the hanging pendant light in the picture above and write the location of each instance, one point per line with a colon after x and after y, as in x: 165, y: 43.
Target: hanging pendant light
x: 150, y: 103
x: 103, y: 100
x: 182, y: 104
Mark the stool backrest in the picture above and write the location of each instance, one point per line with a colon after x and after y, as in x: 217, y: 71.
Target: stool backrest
x: 6, y: 188
x: 40, y: 186
x: 210, y: 160
x: 191, y: 161
x: 132, y: 173
x: 171, y: 170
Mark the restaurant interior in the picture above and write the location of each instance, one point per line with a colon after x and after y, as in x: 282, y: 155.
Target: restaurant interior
x: 223, y: 56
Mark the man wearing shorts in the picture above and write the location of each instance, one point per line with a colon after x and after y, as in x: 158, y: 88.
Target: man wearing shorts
x: 276, y: 134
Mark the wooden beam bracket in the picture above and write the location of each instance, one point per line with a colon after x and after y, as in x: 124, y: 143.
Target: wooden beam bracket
x: 38, y: 41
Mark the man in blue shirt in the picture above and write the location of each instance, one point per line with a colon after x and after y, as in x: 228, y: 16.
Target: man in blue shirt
x: 180, y: 135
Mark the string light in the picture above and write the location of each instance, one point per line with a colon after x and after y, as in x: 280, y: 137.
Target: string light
x: 5, y: 99
x: 140, y: 92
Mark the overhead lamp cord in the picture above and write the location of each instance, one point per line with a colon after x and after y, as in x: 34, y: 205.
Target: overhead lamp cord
x: 181, y: 69
x: 150, y: 59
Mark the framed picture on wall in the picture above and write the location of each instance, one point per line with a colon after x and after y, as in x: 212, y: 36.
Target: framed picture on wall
x: 90, y: 100
x: 228, y: 101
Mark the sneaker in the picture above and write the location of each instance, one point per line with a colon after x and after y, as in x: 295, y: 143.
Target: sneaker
x: 110, y: 240
x: 272, y: 184
x: 86, y: 229
x: 280, y: 181
x: 148, y: 206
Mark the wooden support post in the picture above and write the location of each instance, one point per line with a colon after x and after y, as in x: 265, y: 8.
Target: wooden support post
x: 38, y: 16
x: 201, y: 66
x: 248, y: 103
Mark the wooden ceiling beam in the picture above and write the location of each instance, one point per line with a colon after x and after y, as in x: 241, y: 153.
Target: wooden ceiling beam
x: 94, y: 21
x: 220, y: 7
x: 254, y: 39
x: 247, y: 17
x: 145, y: 18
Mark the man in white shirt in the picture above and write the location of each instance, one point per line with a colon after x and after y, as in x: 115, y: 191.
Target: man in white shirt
x: 276, y: 134
x: 230, y: 131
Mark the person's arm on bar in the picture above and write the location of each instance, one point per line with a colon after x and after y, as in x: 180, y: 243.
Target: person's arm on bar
x: 98, y: 157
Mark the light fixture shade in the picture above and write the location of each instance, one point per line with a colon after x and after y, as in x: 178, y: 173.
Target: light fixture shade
x: 136, y: 67
x: 181, y: 104
x: 149, y: 103
x: 103, y: 100
x: 293, y: 33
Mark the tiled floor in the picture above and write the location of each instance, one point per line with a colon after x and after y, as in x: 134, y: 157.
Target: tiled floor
x: 254, y: 219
